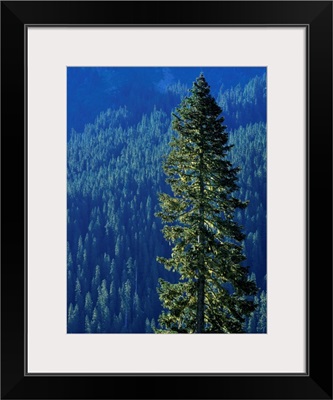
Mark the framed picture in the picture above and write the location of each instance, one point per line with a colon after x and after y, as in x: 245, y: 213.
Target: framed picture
x: 114, y: 233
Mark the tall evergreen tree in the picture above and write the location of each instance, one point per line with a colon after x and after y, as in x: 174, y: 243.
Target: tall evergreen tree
x: 213, y: 293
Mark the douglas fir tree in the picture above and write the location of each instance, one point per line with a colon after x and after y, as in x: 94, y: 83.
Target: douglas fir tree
x: 213, y: 293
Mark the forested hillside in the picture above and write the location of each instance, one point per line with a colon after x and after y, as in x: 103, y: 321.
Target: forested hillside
x: 114, y: 175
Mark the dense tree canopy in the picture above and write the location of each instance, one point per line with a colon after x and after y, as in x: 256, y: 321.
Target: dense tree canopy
x: 114, y: 175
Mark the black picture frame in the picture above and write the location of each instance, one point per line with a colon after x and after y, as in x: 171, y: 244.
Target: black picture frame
x: 15, y: 17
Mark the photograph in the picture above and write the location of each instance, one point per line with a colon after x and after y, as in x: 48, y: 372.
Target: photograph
x: 166, y: 182
x: 166, y: 200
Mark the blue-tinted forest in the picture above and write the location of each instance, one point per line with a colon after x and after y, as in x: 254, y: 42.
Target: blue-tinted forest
x: 118, y: 131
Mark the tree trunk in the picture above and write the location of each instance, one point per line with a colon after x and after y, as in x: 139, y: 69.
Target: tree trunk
x: 201, y: 277
x: 201, y: 304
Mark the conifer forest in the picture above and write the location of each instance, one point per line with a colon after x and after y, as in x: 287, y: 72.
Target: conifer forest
x: 166, y: 200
